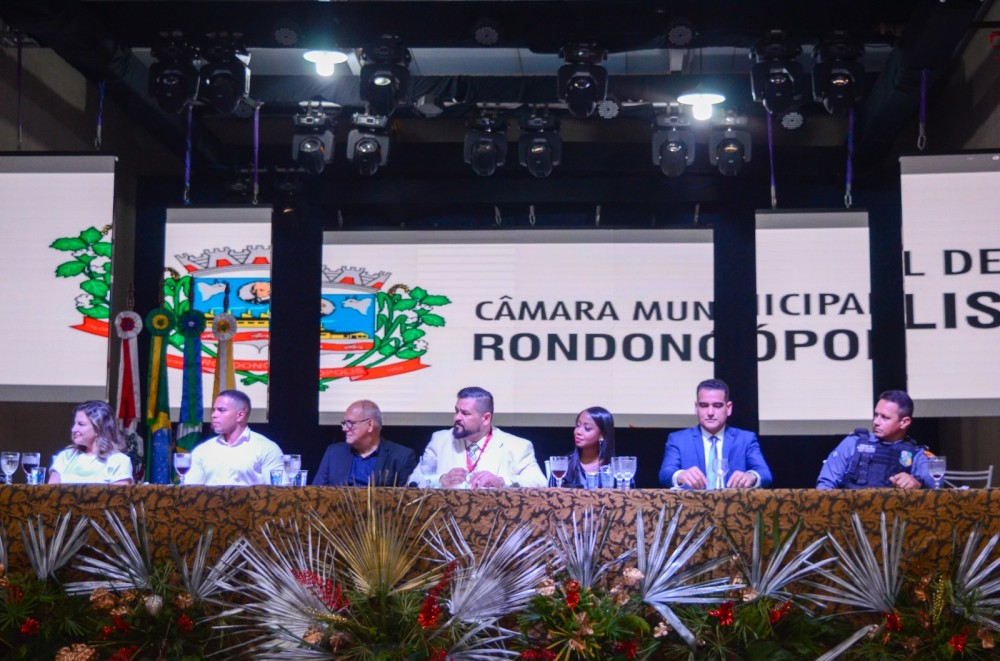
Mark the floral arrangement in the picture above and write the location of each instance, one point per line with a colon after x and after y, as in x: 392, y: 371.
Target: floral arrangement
x: 91, y: 259
x: 401, y: 582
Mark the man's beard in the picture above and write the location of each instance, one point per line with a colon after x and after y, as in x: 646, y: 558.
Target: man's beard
x: 460, y: 431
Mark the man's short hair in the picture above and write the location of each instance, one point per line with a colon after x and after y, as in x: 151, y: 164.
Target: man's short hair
x: 712, y: 384
x: 483, y: 397
x: 370, y: 410
x: 238, y: 397
x: 901, y: 399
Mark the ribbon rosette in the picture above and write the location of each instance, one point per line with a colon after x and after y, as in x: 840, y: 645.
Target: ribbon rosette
x: 224, y: 326
x: 191, y: 323
x: 160, y: 322
x: 128, y: 324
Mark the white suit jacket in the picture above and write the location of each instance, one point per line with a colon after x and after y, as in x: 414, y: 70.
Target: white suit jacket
x: 508, y: 456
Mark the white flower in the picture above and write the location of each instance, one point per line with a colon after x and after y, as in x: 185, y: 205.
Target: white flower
x: 99, y: 262
x: 84, y: 301
x: 420, y: 345
x: 153, y: 604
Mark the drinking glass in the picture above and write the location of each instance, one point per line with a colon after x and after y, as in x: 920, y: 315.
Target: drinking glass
x: 302, y: 478
x: 182, y: 464
x: 37, y: 475
x: 627, y: 466
x: 616, y: 470
x: 8, y: 462
x: 936, y: 467
x: 277, y: 477
x: 721, y: 470
x: 30, y: 461
x: 559, y: 465
x: 428, y: 468
x: 293, y: 464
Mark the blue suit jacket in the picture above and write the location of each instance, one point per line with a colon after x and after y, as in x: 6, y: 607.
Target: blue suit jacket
x: 685, y: 449
x: 393, y: 464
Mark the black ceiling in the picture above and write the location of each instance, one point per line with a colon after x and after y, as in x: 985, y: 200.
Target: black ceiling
x: 107, y: 40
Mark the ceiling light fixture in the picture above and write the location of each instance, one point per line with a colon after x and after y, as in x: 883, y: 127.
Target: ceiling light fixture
x: 701, y: 102
x: 838, y: 76
x: 776, y: 78
x: 729, y: 145
x: 673, y: 143
x: 368, y: 143
x: 325, y: 60
x: 582, y: 81
x: 173, y: 78
x: 486, y: 145
x: 384, y: 76
x: 540, y: 147
x: 312, y: 144
x: 225, y: 77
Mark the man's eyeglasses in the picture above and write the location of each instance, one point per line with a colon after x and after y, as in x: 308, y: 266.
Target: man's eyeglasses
x: 349, y: 424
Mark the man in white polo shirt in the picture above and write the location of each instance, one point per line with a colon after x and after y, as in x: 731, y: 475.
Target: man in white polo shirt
x: 237, y: 456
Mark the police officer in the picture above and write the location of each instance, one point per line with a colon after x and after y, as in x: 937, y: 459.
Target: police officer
x: 890, y: 459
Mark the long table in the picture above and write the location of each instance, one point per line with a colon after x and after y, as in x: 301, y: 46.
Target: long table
x: 179, y: 514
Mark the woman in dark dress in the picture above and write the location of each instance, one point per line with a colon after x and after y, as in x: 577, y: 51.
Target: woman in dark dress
x: 594, y: 438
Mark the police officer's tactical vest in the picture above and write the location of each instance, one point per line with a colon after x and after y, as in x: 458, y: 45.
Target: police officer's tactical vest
x: 874, y: 461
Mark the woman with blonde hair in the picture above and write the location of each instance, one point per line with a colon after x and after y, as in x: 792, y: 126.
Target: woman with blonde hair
x: 95, y: 455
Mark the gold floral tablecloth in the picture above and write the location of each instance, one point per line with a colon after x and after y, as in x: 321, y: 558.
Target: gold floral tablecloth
x: 179, y: 515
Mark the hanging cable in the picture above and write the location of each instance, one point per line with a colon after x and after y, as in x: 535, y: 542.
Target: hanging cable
x: 187, y: 156
x: 770, y: 153
x: 531, y: 215
x: 597, y: 216
x: 20, y: 49
x: 496, y: 216
x: 850, y: 159
x: 256, y: 154
x: 922, y: 135
x: 100, y: 115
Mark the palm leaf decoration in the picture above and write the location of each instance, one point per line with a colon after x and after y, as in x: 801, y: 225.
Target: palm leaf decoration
x: 769, y: 576
x: 579, y: 548
x: 976, y: 583
x: 49, y: 555
x: 127, y: 563
x: 199, y: 579
x: 669, y: 577
x: 3, y: 550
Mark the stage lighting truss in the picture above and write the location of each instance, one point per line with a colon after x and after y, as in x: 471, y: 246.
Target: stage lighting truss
x: 173, y: 78
x: 312, y: 144
x: 582, y: 81
x: 838, y: 77
x: 540, y: 147
x: 225, y: 76
x: 486, y: 145
x: 385, y: 78
x: 673, y: 144
x: 729, y: 145
x: 776, y: 79
x: 368, y: 143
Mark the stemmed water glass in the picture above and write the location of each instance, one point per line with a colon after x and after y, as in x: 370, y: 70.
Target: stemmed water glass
x: 626, y: 468
x: 8, y: 462
x: 428, y: 467
x: 721, y: 470
x: 936, y: 466
x: 29, y: 462
x: 559, y: 465
x: 182, y: 464
x: 293, y: 464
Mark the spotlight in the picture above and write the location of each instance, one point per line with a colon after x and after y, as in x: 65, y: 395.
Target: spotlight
x: 540, y: 148
x: 486, y: 145
x: 729, y: 146
x: 173, y: 78
x: 583, y: 83
x: 225, y: 77
x: 680, y: 32
x: 486, y: 32
x: 701, y: 102
x: 776, y: 78
x: 385, y: 77
x: 325, y: 60
x: 312, y: 144
x: 368, y: 143
x: 838, y: 77
x: 673, y: 145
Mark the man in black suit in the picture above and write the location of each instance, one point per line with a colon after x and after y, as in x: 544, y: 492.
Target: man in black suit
x: 365, y: 455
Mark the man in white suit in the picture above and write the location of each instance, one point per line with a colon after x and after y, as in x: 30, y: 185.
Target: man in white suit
x: 474, y: 454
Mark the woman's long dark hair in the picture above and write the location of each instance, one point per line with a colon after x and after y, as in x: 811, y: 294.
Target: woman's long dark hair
x: 606, y: 424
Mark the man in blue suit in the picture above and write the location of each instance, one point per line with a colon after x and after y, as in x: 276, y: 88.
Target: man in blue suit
x: 365, y: 456
x: 693, y: 454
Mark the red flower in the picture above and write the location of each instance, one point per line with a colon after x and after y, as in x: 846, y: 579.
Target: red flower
x: 957, y: 641
x: 572, y: 594
x: 538, y: 654
x: 780, y: 612
x: 628, y: 648
x: 724, y: 613
x: 124, y: 653
x: 893, y: 621
x: 185, y: 623
x: 429, y: 612
x: 29, y: 626
x: 121, y: 624
x: 14, y: 594
x: 438, y: 655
